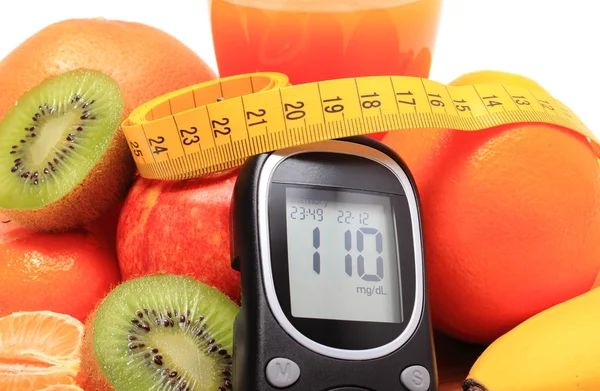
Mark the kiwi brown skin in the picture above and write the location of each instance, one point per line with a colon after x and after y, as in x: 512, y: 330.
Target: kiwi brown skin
x: 104, y: 186
x: 90, y: 376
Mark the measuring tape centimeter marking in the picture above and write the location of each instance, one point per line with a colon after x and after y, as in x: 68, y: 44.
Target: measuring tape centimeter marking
x: 216, y: 125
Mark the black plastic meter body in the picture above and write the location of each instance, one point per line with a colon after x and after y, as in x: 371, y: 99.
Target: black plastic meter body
x: 327, y: 238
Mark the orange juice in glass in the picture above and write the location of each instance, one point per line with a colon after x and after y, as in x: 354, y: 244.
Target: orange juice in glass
x: 313, y: 40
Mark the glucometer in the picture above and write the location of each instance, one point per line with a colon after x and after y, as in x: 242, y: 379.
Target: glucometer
x: 327, y: 238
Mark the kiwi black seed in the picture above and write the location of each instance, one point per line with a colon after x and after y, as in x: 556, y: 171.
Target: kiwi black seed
x: 165, y: 332
x: 64, y: 160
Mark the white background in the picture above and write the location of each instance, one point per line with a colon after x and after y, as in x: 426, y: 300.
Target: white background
x: 554, y: 42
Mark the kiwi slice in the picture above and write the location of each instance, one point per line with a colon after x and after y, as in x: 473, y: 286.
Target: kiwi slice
x: 63, y: 159
x: 165, y: 332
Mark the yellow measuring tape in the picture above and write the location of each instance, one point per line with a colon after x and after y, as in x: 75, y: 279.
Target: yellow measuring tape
x: 218, y: 124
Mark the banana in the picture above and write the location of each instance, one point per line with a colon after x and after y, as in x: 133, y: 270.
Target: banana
x: 556, y: 350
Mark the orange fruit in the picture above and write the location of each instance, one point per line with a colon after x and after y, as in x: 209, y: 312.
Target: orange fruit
x: 39, y: 349
x: 146, y: 62
x: 63, y: 387
x: 511, y: 222
x: 66, y: 273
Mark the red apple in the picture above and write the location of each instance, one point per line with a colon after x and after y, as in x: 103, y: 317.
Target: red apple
x: 105, y: 227
x: 179, y: 227
x: 377, y: 136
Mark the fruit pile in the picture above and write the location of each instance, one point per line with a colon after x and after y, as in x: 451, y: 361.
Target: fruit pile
x: 115, y: 282
x: 94, y: 258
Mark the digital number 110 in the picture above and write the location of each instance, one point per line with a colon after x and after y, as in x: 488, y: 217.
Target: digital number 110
x: 360, y: 260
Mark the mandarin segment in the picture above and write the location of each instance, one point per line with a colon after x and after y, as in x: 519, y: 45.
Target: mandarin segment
x: 43, y: 336
x: 39, y: 349
x: 62, y: 387
x: 25, y: 378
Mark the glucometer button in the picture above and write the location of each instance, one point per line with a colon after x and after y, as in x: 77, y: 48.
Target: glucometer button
x: 416, y: 378
x: 282, y: 372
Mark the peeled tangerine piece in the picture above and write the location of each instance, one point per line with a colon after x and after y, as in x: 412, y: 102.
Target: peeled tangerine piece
x: 61, y: 387
x: 39, y: 349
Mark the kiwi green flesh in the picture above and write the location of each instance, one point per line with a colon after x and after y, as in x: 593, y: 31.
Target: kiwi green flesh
x: 54, y: 135
x: 165, y: 332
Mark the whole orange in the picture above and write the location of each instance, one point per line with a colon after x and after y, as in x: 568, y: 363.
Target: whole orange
x: 145, y: 61
x: 511, y: 222
x: 65, y: 273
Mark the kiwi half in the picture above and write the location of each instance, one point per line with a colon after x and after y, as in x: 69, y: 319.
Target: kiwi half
x: 161, y: 332
x: 63, y: 159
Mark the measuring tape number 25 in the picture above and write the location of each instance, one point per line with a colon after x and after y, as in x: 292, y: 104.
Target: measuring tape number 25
x: 216, y: 125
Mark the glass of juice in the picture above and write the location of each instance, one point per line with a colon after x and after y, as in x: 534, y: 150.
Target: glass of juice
x: 314, y: 40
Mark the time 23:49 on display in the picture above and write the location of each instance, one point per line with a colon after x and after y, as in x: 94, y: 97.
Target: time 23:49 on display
x: 344, y: 216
